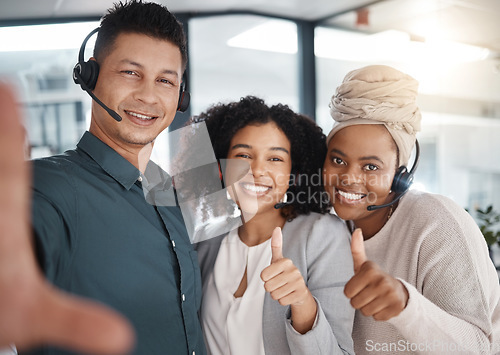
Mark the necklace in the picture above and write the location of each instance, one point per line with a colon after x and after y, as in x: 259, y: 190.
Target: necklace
x: 352, y: 226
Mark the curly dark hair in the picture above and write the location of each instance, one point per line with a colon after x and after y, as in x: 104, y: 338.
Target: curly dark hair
x: 135, y: 16
x: 307, y: 141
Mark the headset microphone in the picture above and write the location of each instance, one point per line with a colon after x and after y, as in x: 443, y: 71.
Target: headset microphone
x: 281, y: 205
x: 401, y: 182
x: 86, y: 74
x: 376, y: 207
x: 78, y: 79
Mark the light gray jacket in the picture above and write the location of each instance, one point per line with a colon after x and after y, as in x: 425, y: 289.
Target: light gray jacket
x: 319, y: 246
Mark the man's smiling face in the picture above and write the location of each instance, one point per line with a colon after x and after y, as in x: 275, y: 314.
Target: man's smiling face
x: 140, y: 80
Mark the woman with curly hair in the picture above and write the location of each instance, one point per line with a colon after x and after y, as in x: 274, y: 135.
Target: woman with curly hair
x: 275, y: 284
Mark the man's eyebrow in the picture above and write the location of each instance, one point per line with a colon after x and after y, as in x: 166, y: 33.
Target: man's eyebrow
x: 131, y: 62
x: 236, y: 146
x: 139, y: 65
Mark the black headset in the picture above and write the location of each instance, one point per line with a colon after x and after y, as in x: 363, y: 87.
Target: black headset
x: 402, y: 180
x: 85, y: 73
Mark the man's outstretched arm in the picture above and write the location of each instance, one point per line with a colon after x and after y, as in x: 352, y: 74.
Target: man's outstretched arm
x: 32, y: 311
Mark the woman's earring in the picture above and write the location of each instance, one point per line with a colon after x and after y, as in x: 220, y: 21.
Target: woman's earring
x: 284, y: 199
x: 236, y: 209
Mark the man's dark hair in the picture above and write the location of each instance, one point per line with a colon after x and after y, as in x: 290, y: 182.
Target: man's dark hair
x: 307, y: 142
x: 135, y: 16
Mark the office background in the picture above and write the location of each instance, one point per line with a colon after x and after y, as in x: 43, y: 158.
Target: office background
x: 294, y: 52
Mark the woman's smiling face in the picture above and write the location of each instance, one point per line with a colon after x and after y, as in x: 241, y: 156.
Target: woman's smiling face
x: 359, y: 169
x: 267, y: 151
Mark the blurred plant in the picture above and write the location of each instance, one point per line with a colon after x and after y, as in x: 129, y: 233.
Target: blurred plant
x: 487, y: 220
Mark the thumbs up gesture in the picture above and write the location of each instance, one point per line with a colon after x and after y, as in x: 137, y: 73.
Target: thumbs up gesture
x: 375, y: 293
x: 286, y: 285
x: 276, y: 245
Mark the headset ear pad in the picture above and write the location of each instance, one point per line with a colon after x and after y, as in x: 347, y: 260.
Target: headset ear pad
x: 184, y: 98
x: 88, y: 72
x: 402, y: 180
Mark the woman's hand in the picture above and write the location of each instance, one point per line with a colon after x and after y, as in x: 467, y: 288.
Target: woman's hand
x: 375, y: 293
x: 286, y: 285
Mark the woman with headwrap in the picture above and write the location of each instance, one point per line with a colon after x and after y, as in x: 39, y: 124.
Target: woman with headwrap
x: 423, y: 282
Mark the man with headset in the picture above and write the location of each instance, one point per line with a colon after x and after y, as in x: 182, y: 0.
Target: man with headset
x: 95, y: 234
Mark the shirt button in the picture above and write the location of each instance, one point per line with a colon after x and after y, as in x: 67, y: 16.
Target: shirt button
x: 173, y: 243
x: 183, y: 297
x: 139, y: 179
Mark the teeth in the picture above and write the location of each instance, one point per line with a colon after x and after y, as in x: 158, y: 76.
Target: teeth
x: 350, y: 196
x: 255, y: 188
x: 138, y: 115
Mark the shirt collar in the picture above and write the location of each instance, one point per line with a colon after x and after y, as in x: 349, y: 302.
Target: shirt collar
x: 109, y: 160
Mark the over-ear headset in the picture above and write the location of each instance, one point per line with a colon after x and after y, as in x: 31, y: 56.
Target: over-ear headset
x: 402, y: 181
x: 184, y: 96
x: 85, y: 73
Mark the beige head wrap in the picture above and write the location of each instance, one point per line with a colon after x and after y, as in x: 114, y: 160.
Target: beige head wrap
x: 379, y: 94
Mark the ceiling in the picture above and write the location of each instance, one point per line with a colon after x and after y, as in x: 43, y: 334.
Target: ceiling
x: 468, y: 21
x: 471, y: 22
x: 304, y: 9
